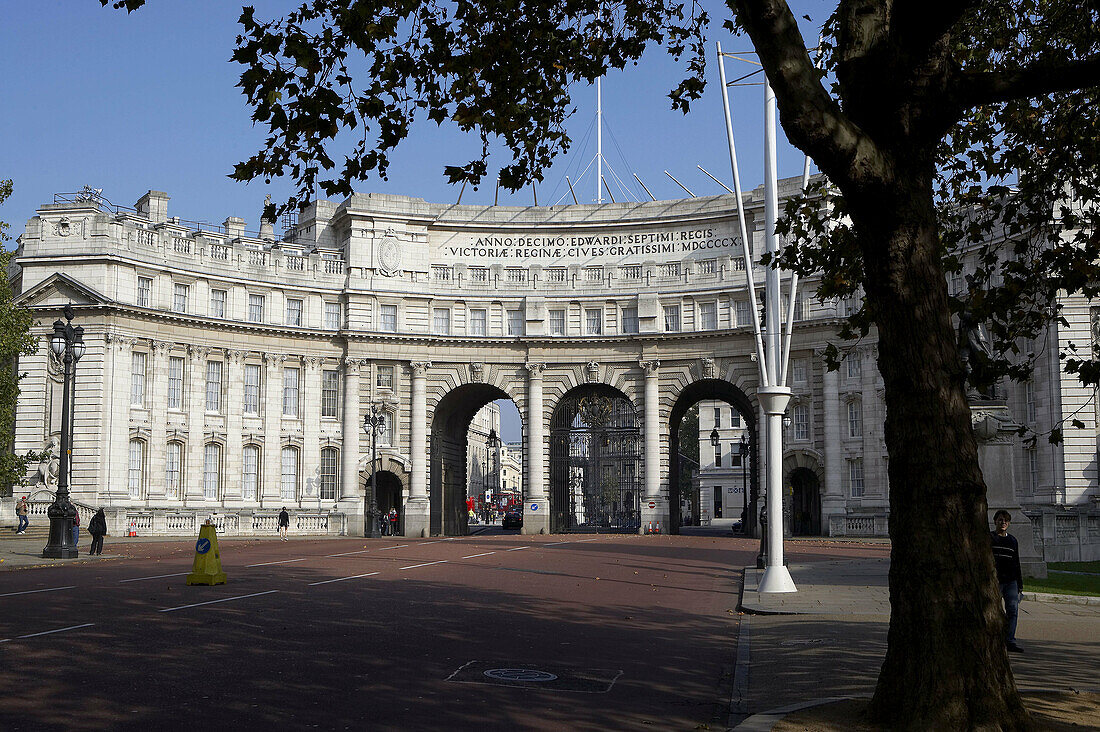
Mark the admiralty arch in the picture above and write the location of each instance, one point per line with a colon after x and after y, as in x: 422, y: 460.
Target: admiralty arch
x: 228, y: 371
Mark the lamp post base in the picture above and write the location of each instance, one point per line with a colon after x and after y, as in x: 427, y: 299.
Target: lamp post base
x: 60, y: 545
x: 777, y: 579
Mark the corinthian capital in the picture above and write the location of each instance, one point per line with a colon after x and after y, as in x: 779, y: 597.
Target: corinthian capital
x: 420, y: 368
x: 650, y: 367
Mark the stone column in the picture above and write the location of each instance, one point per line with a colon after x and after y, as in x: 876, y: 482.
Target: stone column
x: 310, y: 411
x: 832, y: 502
x: 117, y: 491
x: 874, y: 479
x: 233, y: 410
x: 349, y: 449
x: 418, y: 507
x: 273, y: 427
x: 155, y: 477
x: 654, y: 505
x: 196, y: 424
x: 536, y: 509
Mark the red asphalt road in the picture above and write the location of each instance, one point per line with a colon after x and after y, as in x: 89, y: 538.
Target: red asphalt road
x: 114, y: 645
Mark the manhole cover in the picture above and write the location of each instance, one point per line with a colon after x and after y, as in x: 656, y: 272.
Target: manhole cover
x: 519, y: 674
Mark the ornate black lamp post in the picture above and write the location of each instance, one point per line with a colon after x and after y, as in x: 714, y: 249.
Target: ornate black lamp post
x: 491, y: 444
x: 67, y: 344
x: 716, y: 441
x: 743, y: 451
x: 374, y: 423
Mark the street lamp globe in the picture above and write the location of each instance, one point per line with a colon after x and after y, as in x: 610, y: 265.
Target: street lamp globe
x: 57, y: 340
x: 78, y: 342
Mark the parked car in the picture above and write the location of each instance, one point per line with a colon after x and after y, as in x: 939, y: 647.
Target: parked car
x: 513, y: 520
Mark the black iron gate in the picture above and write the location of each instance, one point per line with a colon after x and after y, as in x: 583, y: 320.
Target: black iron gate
x: 595, y: 464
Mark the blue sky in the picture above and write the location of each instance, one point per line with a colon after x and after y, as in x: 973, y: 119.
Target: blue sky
x: 128, y: 103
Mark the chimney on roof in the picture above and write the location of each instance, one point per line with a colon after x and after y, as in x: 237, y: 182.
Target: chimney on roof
x: 153, y: 206
x: 234, y: 227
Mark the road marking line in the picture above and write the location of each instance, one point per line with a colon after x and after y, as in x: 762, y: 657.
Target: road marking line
x: 479, y: 555
x: 344, y: 554
x: 211, y: 602
x: 341, y: 579
x: 399, y: 546
x: 156, y: 576
x: 424, y: 543
x: 282, y: 561
x: 48, y: 632
x: 29, y: 592
x: 515, y: 549
x: 425, y: 564
x: 556, y: 543
x: 581, y: 541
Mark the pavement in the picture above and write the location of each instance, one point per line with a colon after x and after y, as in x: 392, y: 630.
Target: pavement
x: 827, y: 641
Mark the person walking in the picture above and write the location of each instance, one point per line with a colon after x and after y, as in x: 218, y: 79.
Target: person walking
x: 393, y: 521
x: 284, y: 523
x: 76, y: 527
x: 1006, y: 558
x: 21, y: 510
x: 97, y: 527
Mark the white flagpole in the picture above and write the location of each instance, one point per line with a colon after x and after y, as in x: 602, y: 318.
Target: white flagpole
x: 599, y: 142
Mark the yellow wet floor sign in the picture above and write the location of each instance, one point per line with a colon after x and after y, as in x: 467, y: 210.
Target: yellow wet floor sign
x: 207, y: 569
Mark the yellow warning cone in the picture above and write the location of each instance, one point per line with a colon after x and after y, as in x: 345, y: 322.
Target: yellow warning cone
x: 207, y: 569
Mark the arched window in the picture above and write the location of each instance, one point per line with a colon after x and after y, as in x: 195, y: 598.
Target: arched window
x: 211, y: 471
x: 136, y: 478
x: 250, y: 472
x: 289, y: 484
x: 328, y: 473
x: 173, y: 469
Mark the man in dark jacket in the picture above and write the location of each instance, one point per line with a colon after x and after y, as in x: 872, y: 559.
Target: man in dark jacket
x: 284, y: 523
x: 97, y: 527
x: 1006, y: 558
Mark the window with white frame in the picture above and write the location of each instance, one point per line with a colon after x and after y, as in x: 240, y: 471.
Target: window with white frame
x: 383, y: 377
x: 630, y: 320
x: 255, y: 308
x: 137, y: 379
x: 441, y: 321
x: 1033, y: 469
x: 211, y: 471
x: 718, y: 418
x: 250, y: 472
x: 718, y: 455
x: 555, y: 274
x: 798, y: 370
x: 385, y: 429
x: 855, y: 477
x: 850, y: 306
x: 333, y: 316
x: 593, y: 321
x: 1029, y: 400
x: 327, y: 476
x: 290, y: 391
x: 175, y: 382
x: 136, y: 476
x: 515, y: 322
x: 854, y: 364
x: 179, y: 297
x: 293, y: 311
x: 387, y: 318
x: 800, y: 422
x: 330, y: 389
x: 855, y: 418
x: 288, y: 484
x: 708, y: 315
x: 213, y: 386
x: 799, y: 308
x: 708, y: 266
x: 478, y: 274
x: 672, y: 318
x: 735, y: 418
x: 954, y: 282
x: 744, y: 316
x: 173, y: 469
x: 735, y: 455
x: 593, y: 274
x: 557, y: 322
x: 479, y: 319
x: 144, y: 291
x: 217, y: 303
x: 251, y: 403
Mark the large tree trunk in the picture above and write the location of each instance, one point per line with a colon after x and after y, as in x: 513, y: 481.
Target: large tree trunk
x: 946, y: 665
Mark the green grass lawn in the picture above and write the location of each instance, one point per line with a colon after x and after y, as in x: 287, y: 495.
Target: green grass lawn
x: 1068, y: 584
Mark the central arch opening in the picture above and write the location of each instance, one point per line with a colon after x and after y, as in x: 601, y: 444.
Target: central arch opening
x: 595, y: 462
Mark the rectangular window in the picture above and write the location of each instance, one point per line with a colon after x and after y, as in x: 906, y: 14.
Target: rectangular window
x: 136, y: 477
x: 255, y: 308
x: 137, y: 379
x: 557, y: 322
x: 800, y: 415
x: 1033, y: 470
x: 855, y: 477
x: 213, y: 386
x: 441, y: 321
x: 735, y: 418
x: 798, y: 370
x: 250, y: 472
x: 290, y: 392
x: 175, y: 382
x: 515, y: 322
x: 954, y: 282
x: 333, y: 316
x: 211, y: 471
x: 855, y: 419
x: 144, y: 291
x: 288, y: 486
x: 179, y: 298
x: 799, y: 308
x: 173, y: 472
x: 717, y: 456
x: 217, y: 303
x: 854, y: 364
x: 717, y: 418
x: 555, y: 274
x: 478, y: 322
x: 743, y: 312
x: 708, y: 315
x: 384, y: 377
x: 672, y: 318
x: 1029, y: 400
x: 330, y: 388
x: 630, y: 320
x: 478, y: 274
x: 593, y: 321
x: 328, y: 474
x: 708, y: 266
x: 387, y: 318
x: 293, y: 312
x: 251, y: 388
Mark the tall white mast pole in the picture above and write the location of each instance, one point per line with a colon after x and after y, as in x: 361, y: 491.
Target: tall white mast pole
x: 774, y: 397
x: 599, y: 142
